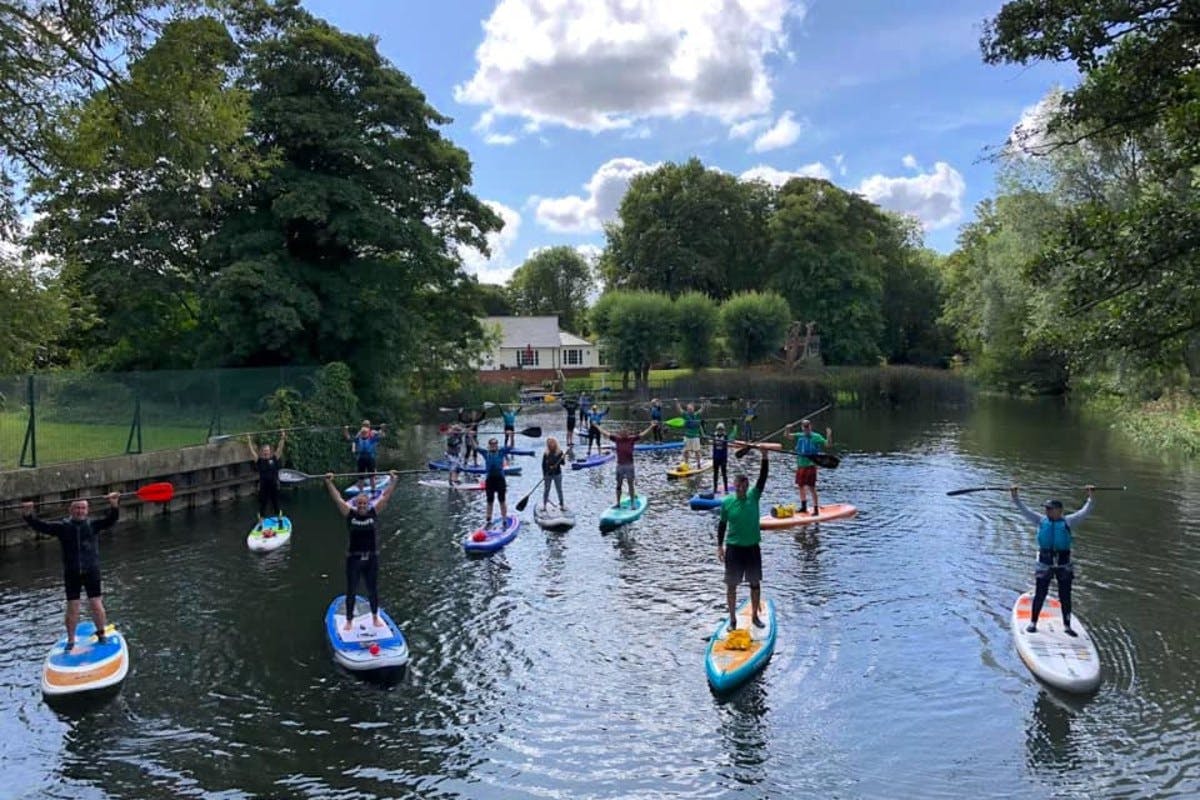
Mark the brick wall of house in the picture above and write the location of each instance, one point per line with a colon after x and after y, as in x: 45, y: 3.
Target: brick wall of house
x: 527, y: 377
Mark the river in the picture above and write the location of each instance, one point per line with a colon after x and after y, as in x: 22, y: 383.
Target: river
x: 571, y: 665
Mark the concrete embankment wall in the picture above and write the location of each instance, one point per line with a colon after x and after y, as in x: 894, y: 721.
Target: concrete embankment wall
x: 202, y: 475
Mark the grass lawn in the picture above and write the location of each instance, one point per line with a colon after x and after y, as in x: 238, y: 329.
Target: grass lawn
x: 58, y: 442
x: 613, y: 379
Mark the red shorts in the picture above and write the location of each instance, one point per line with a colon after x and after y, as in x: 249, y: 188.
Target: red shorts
x: 806, y: 476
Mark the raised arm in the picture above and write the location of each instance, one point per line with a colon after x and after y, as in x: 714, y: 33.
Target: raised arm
x: 279, y: 447
x: 647, y: 432
x: 342, y: 506
x: 382, y: 432
x: 829, y: 437
x: 114, y: 513
x: 39, y: 525
x: 346, y: 433
x: 253, y: 452
x: 387, y: 493
x: 1026, y: 512
x: 1082, y: 514
x: 763, y: 464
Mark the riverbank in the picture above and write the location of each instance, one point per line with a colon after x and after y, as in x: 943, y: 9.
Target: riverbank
x: 1171, y: 423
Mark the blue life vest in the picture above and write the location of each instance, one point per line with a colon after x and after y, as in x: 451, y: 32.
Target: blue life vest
x: 1054, y: 534
x: 510, y: 418
x: 366, y: 447
x: 805, y: 446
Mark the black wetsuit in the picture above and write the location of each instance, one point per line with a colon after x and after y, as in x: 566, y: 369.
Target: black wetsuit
x: 268, y: 485
x: 362, y: 559
x: 80, y: 545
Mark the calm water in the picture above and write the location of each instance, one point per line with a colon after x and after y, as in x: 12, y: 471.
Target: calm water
x: 571, y: 665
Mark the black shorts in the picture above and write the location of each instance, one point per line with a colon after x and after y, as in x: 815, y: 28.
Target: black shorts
x: 743, y: 563
x: 366, y: 463
x: 570, y: 424
x: 495, y: 486
x: 89, y: 580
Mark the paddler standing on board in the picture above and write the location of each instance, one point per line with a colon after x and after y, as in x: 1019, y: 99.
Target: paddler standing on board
x: 362, y: 552
x: 740, y: 552
x: 494, y: 483
x: 454, y: 440
x: 1054, y: 553
x: 571, y: 406
x: 624, y: 442
x: 509, y: 414
x: 656, y: 420
x: 78, y: 537
x: 267, y: 462
x: 693, y: 427
x: 363, y: 447
x: 470, y: 418
x: 808, y: 444
x: 594, y: 417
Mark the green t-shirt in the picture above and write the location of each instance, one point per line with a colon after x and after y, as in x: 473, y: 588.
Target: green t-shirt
x: 741, y: 518
x: 808, y: 445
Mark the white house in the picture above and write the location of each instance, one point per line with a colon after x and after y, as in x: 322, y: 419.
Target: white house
x: 536, y: 343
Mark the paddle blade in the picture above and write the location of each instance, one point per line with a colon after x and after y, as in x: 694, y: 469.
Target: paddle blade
x: 674, y: 422
x: 156, y: 492
x: 957, y: 492
x: 534, y: 431
x: 292, y: 476
x: 825, y: 460
x: 522, y: 503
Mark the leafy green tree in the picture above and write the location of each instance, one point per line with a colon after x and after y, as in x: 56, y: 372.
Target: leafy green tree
x: 494, y: 300
x: 554, y: 281
x: 33, y: 315
x: 683, y: 227
x: 755, y: 325
x: 634, y: 329
x: 696, y: 323
x: 1126, y: 271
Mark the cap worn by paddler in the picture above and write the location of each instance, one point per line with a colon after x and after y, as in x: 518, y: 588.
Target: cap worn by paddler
x: 1053, y: 504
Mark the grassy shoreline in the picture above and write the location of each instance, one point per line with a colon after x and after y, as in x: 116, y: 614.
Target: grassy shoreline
x: 1169, y: 423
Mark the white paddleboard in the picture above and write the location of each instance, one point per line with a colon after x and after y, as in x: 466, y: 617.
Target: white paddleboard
x: 1070, y: 663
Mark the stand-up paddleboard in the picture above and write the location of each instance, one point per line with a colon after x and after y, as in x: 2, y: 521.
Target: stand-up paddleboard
x: 382, y: 480
x: 594, y: 460
x: 364, y: 647
x: 472, y: 469
x: 1070, y: 663
x: 87, y: 667
x: 707, y: 501
x: 520, y: 451
x: 270, y: 534
x: 653, y: 446
x: 827, y: 512
x: 615, y: 517
x: 553, y: 518
x: 688, y: 470
x: 736, y: 443
x: 461, y: 486
x: 502, y: 531
x: 728, y: 668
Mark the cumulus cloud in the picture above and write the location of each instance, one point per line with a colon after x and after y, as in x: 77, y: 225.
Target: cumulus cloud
x: 934, y: 198
x: 778, y: 177
x: 588, y: 213
x: 601, y: 64
x: 499, y: 267
x: 910, y: 161
x: 783, y: 133
x: 1030, y: 137
x: 748, y: 127
x: 839, y: 161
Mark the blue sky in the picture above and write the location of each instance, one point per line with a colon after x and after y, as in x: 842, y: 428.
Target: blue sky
x: 561, y: 102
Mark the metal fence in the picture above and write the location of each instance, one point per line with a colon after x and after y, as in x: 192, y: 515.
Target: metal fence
x: 57, y: 417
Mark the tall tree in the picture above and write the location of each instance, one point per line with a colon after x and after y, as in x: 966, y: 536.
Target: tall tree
x: 755, y: 325
x: 684, y: 227
x: 554, y: 281
x: 1128, y: 272
x: 635, y: 328
x: 696, y: 321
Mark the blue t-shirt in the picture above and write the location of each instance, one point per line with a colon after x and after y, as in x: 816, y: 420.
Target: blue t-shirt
x: 656, y: 413
x: 494, y: 461
x: 366, y: 446
x: 596, y: 417
x: 510, y: 418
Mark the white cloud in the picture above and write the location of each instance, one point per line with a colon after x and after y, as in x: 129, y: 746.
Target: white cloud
x: 499, y: 267
x: 778, y: 177
x: 1029, y: 136
x: 587, y: 214
x: 910, y: 161
x: 748, y: 127
x: 499, y: 138
x: 839, y: 161
x: 783, y: 133
x: 602, y: 64
x: 934, y: 198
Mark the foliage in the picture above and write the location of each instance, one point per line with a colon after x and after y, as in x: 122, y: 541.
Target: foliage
x: 684, y: 227
x: 755, y: 324
x: 332, y: 402
x: 32, y: 317
x: 634, y: 329
x: 696, y: 323
x: 494, y: 300
x: 555, y: 281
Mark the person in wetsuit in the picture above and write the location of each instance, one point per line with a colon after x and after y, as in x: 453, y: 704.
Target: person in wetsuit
x: 363, y: 446
x: 362, y: 552
x: 494, y: 483
x: 509, y: 414
x: 720, y: 456
x: 594, y: 417
x: 571, y: 406
x: 1054, y: 553
x: 267, y: 462
x: 78, y: 537
x: 741, y: 553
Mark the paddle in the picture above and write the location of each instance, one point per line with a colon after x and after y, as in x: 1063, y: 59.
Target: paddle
x: 741, y: 451
x: 225, y: 436
x: 533, y: 431
x: 956, y: 492
x: 674, y: 422
x: 150, y: 493
x: 524, y: 501
x: 294, y: 476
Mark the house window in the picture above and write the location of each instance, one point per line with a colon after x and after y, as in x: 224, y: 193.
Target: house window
x: 572, y: 357
x: 527, y: 358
